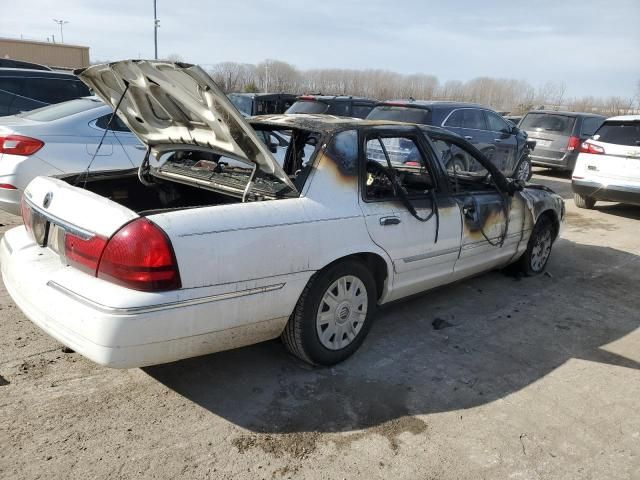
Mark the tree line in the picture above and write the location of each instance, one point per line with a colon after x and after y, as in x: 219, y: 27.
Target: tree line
x: 501, y: 94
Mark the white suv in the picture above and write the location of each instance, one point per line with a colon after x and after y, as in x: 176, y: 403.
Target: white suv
x: 608, y: 166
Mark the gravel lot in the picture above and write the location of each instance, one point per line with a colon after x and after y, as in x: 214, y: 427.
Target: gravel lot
x: 533, y: 378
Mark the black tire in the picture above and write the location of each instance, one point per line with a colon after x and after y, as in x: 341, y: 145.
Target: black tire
x: 529, y: 263
x: 301, y: 337
x: 457, y: 164
x: 584, y: 202
x: 523, y: 170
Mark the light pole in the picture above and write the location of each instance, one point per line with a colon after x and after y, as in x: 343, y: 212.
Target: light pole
x: 61, y: 23
x: 156, y: 24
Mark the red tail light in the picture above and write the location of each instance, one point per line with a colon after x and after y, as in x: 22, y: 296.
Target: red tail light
x: 140, y: 256
x: 84, y: 254
x: 8, y: 186
x: 19, y: 145
x: 588, y: 147
x: 574, y: 142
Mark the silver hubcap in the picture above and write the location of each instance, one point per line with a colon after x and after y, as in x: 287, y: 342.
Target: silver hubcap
x: 342, y: 312
x: 523, y: 171
x: 541, y: 250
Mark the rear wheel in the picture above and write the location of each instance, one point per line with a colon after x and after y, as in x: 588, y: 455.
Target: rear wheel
x: 536, y: 256
x: 583, y: 201
x: 333, y: 315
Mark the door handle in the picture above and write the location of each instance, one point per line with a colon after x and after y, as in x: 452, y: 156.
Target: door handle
x: 468, y: 137
x: 140, y: 147
x: 497, y: 140
x: 384, y: 221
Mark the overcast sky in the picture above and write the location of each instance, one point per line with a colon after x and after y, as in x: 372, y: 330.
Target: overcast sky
x: 591, y: 45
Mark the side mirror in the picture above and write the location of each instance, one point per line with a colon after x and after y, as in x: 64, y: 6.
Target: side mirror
x: 273, y: 147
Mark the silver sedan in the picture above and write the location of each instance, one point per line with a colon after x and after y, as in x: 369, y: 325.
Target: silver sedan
x: 61, y: 138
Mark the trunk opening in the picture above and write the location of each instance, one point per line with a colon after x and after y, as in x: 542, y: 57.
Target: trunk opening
x: 124, y: 188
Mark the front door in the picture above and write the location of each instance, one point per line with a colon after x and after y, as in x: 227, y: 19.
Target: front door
x: 488, y: 239
x: 422, y: 245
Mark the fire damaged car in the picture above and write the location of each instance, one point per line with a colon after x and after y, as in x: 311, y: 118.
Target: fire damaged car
x: 211, y: 244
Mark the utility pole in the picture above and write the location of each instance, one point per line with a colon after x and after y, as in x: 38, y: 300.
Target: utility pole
x: 156, y: 24
x: 266, y: 77
x: 61, y: 23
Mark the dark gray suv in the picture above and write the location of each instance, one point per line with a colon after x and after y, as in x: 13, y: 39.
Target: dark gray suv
x: 501, y: 141
x: 558, y: 136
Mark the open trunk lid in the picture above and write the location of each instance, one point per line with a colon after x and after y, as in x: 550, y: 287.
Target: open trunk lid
x: 174, y: 104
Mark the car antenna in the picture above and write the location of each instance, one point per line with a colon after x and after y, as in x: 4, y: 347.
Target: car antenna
x: 106, y: 130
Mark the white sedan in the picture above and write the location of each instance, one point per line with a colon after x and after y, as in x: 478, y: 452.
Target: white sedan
x: 211, y: 244
x: 58, y: 139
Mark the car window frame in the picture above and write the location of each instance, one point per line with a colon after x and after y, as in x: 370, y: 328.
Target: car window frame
x: 471, y: 150
x: 488, y: 113
x: 481, y: 110
x: 409, y: 132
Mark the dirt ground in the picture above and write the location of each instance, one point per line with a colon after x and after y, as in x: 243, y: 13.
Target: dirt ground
x: 532, y: 378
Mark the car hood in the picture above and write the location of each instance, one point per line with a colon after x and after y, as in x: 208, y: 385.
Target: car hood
x: 178, y: 104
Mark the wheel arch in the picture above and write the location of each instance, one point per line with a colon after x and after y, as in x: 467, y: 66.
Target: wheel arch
x: 379, y: 266
x: 555, y: 221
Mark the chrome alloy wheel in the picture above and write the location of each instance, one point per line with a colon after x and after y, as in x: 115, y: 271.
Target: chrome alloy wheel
x: 541, y: 250
x: 342, y: 312
x: 524, y: 170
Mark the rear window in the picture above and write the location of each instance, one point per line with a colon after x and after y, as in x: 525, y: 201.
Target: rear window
x: 61, y: 110
x: 619, y: 133
x: 308, y: 106
x: 590, y: 125
x: 401, y: 114
x: 549, y: 122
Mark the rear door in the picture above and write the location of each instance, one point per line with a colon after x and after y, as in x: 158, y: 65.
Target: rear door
x: 128, y: 150
x: 470, y: 123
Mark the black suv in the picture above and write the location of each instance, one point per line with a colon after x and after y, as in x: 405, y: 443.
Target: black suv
x: 22, y: 90
x: 339, y: 105
x: 558, y: 136
x: 501, y: 141
x: 262, y: 103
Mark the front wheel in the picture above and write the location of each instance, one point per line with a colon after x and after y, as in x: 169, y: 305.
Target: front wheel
x: 536, y: 256
x: 523, y: 170
x: 333, y: 315
x: 584, y: 202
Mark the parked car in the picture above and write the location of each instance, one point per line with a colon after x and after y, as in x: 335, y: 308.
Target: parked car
x: 262, y: 103
x: 558, y: 136
x: 501, y: 141
x: 10, y: 63
x: 608, y: 165
x: 211, y: 244
x: 338, y: 105
x: 22, y: 90
x: 59, y: 139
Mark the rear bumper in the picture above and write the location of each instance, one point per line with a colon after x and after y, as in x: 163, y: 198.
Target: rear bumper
x: 608, y: 193
x: 121, y: 336
x: 567, y: 162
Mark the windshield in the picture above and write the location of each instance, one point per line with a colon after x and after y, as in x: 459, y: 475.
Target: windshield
x: 295, y: 150
x: 308, y: 106
x: 61, y: 110
x: 619, y: 133
x: 400, y: 114
x: 242, y: 103
x: 548, y: 122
